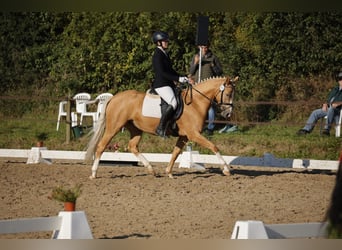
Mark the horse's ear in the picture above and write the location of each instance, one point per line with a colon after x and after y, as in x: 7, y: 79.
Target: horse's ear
x: 228, y: 80
x: 235, y: 79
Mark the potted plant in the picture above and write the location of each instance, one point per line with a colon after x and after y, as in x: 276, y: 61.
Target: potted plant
x: 41, y: 137
x: 67, y: 195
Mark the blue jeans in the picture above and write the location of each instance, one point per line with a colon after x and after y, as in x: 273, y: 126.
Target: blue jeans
x: 211, y: 118
x: 317, y: 114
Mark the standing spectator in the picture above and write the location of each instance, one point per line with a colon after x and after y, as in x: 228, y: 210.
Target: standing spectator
x: 210, y: 66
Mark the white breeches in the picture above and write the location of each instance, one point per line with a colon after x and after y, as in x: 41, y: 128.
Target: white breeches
x: 168, y: 95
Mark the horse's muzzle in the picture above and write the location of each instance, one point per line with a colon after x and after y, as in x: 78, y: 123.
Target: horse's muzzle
x: 226, y: 110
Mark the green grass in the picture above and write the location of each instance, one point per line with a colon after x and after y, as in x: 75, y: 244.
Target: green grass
x: 279, y: 140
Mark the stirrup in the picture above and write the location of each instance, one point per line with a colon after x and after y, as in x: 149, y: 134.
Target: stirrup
x: 161, y: 133
x: 173, y: 129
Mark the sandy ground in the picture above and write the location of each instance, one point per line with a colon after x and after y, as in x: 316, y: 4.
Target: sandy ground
x: 127, y: 203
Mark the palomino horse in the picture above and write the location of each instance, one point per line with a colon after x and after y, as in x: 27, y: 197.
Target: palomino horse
x: 124, y: 110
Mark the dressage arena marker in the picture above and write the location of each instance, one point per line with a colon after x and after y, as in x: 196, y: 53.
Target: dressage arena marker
x: 258, y: 230
x: 187, y: 162
x: 67, y: 225
x: 186, y: 159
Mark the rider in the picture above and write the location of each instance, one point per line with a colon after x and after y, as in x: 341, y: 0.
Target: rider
x: 165, y: 78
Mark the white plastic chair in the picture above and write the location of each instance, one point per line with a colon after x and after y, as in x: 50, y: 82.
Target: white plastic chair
x: 100, y: 100
x: 61, y: 112
x: 338, y: 125
x: 338, y: 121
x: 81, y: 100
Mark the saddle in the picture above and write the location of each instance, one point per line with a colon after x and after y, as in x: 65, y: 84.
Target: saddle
x: 180, y: 103
x: 172, y: 127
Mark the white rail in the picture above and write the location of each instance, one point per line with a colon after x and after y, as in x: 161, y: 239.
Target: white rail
x: 37, y: 155
x: 67, y: 225
x: 259, y: 230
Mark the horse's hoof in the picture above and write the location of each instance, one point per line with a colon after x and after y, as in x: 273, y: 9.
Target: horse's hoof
x: 92, y: 177
x: 151, y: 171
x: 226, y: 172
x: 169, y: 174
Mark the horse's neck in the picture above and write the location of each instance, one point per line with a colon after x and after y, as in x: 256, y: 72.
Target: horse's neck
x: 209, y: 88
x: 203, y: 95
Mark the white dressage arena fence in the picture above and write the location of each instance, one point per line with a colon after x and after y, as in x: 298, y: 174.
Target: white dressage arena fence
x: 73, y: 225
x: 67, y: 225
x: 188, y: 159
x: 258, y: 230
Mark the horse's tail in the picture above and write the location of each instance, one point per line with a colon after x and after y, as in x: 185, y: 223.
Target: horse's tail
x: 97, y: 134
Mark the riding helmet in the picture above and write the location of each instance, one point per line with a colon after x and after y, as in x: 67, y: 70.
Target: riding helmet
x: 339, y: 76
x: 160, y: 36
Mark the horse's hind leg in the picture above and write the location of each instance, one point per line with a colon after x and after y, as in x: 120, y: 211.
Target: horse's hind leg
x: 94, y: 168
x: 99, y: 150
x: 133, y: 146
x: 182, y: 140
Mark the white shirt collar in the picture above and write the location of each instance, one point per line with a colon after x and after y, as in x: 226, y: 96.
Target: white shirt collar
x: 161, y: 48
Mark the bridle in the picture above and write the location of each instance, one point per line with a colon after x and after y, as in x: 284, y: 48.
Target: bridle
x: 212, y: 101
x: 221, y: 89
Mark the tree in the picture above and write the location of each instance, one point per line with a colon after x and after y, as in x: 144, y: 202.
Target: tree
x: 65, y: 53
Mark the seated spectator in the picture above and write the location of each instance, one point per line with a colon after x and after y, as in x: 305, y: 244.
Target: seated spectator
x: 331, y: 109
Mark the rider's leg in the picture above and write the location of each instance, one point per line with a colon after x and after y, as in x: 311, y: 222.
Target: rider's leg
x: 167, y: 109
x: 167, y: 113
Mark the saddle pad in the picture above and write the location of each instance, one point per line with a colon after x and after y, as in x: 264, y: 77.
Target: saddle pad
x: 151, y: 105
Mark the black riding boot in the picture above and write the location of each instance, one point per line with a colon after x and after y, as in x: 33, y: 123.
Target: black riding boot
x: 166, y: 115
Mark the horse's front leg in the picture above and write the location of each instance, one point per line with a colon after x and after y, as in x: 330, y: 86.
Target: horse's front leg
x: 175, y: 153
x: 225, y: 170
x: 204, y: 142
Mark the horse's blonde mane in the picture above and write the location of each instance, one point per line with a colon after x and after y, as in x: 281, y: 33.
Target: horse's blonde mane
x: 211, y: 78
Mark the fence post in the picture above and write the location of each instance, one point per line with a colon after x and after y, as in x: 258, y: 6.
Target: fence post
x: 68, y: 121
